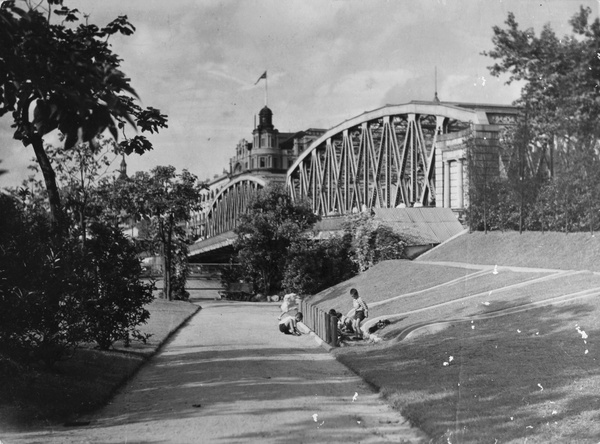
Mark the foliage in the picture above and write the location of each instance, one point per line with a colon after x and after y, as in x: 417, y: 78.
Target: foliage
x: 70, y: 79
x: 115, y: 297
x: 54, y: 294
x: 552, y: 153
x: 164, y: 200
x: 313, y: 266
x: 40, y: 307
x: 265, y: 233
x: 372, y: 242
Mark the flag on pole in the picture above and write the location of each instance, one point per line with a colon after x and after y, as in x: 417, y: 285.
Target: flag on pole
x: 264, y: 76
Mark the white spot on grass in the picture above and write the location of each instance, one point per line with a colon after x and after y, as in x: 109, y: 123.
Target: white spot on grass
x: 582, y: 333
x: 485, y: 303
x: 518, y: 331
x: 586, y: 352
x: 495, y: 269
x: 355, y: 397
x: 540, y: 386
x: 315, y: 417
x: 445, y: 364
x: 451, y: 358
x: 554, y: 412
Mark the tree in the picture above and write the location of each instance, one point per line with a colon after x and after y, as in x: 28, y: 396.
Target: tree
x: 78, y: 172
x: 115, y: 298
x: 314, y: 265
x: 272, y: 223
x: 557, y: 136
x: 58, y: 76
x: 165, y: 199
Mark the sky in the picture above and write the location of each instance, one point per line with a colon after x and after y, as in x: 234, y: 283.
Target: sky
x: 326, y: 61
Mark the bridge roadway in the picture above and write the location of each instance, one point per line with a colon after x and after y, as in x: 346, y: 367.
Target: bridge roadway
x: 229, y: 376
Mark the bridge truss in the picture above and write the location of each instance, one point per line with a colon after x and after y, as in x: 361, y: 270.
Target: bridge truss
x: 230, y: 203
x: 381, y: 159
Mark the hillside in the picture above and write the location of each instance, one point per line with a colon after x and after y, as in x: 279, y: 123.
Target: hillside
x: 573, y: 251
x: 491, y: 337
x: 472, y: 276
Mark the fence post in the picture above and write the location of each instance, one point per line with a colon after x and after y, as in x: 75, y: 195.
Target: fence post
x: 333, y: 331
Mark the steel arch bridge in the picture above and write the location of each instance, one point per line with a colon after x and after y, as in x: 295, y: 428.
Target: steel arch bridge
x: 230, y: 202
x: 382, y: 158
x: 408, y: 155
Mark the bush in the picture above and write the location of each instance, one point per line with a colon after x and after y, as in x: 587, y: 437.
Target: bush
x: 56, y: 294
x: 373, y: 242
x: 115, y: 300
x: 313, y: 266
x: 40, y: 275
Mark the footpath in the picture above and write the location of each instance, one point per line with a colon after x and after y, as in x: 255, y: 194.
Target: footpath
x: 230, y: 376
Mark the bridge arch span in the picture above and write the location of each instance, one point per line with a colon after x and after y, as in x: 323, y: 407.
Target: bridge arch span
x: 230, y: 202
x: 382, y: 158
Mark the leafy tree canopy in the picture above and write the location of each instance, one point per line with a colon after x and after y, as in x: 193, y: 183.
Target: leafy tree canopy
x: 266, y: 231
x: 57, y: 73
x: 561, y: 76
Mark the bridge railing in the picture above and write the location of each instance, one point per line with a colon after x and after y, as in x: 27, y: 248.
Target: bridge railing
x: 320, y: 322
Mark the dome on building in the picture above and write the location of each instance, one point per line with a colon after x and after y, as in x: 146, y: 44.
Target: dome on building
x: 265, y: 119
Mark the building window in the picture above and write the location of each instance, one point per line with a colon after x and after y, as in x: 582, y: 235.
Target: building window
x: 262, y: 162
x: 275, y: 163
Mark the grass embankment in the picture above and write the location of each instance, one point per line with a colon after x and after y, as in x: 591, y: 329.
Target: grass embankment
x: 531, y: 375
x: 32, y: 397
x: 572, y: 251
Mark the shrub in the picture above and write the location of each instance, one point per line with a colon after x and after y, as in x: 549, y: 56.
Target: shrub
x: 54, y: 294
x: 115, y: 300
x: 313, y: 266
x: 372, y: 242
x: 40, y: 275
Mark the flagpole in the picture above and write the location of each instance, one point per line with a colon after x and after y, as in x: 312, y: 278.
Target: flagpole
x: 266, y: 91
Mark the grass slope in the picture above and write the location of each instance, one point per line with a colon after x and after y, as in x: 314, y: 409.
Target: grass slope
x: 529, y: 376
x: 573, y: 251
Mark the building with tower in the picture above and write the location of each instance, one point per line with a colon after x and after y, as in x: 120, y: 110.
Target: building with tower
x: 268, y: 156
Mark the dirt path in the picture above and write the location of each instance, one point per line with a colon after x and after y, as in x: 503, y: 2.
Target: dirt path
x: 229, y: 376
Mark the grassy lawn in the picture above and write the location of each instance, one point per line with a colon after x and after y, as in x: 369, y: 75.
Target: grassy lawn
x: 31, y: 397
x: 529, y: 376
x: 513, y: 377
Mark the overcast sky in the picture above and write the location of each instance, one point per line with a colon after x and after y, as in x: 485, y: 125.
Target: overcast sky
x: 327, y: 61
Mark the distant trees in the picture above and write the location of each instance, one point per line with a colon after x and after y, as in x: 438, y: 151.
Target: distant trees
x: 272, y: 223
x: 553, y: 152
x: 164, y: 199
x: 314, y: 265
x: 276, y: 252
